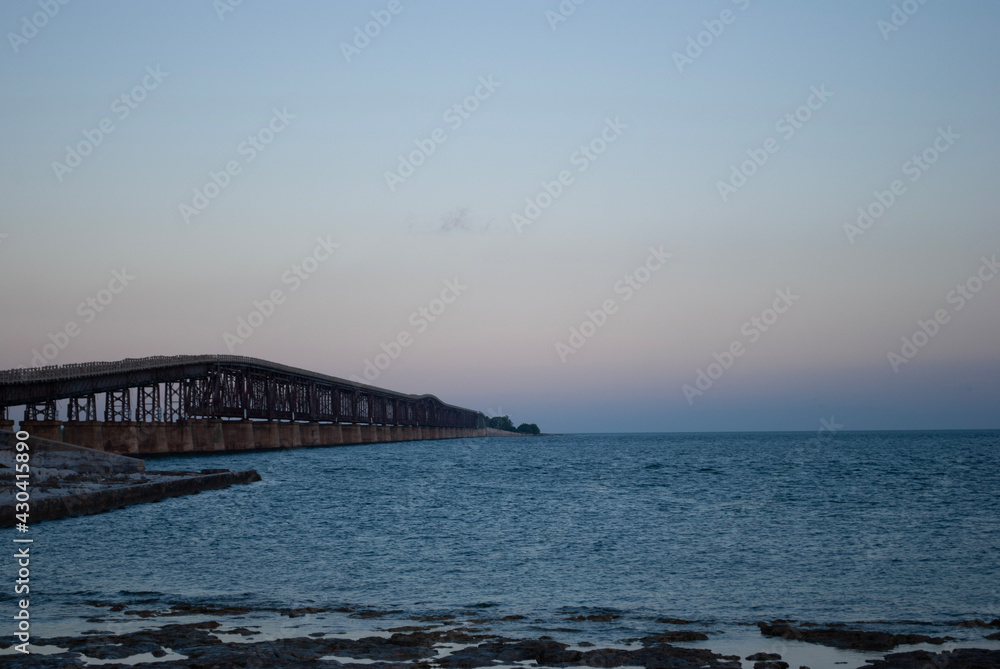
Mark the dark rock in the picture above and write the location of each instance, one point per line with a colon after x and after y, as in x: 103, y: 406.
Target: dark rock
x: 298, y: 613
x: 757, y: 657
x: 960, y: 658
x: 596, y: 617
x: 547, y: 652
x: 674, y: 621
x: 185, y: 609
x: 993, y: 637
x: 847, y: 638
x: 770, y: 664
x: 671, y: 636
x: 372, y: 614
x: 971, y: 623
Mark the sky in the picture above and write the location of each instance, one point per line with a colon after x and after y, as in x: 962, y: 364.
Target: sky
x: 597, y: 217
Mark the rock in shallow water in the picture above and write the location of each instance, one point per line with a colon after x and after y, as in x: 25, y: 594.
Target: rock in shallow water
x: 961, y: 658
x: 840, y: 637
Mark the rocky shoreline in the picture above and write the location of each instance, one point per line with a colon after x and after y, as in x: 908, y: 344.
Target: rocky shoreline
x: 443, y: 641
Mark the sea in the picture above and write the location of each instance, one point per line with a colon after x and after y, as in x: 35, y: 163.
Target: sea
x: 577, y: 536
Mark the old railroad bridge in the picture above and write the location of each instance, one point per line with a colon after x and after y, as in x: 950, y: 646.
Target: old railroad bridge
x: 209, y: 403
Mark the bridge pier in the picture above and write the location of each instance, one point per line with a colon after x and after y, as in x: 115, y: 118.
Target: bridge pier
x: 352, y: 433
x: 207, y: 435
x: 330, y: 434
x: 310, y: 434
x: 238, y: 435
x: 289, y: 435
x: 43, y: 429
x: 265, y: 434
x: 179, y: 438
x: 120, y: 437
x: 6, y: 424
x: 152, y: 437
x: 89, y: 434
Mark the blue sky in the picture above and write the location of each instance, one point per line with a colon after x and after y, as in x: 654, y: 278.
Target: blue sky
x: 495, y: 347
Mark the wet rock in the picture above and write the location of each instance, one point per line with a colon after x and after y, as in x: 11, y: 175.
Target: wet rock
x: 770, y: 664
x: 671, y: 636
x: 838, y: 637
x: 243, y: 631
x: 961, y: 658
x: 674, y: 621
x: 298, y: 613
x: 185, y: 609
x: 759, y: 657
x: 372, y: 614
x: 595, y: 617
x: 547, y: 652
x: 976, y: 622
x: 142, y: 613
x: 993, y: 637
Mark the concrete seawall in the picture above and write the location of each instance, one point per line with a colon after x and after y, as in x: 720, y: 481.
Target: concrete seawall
x: 99, y: 501
x: 212, y: 435
x: 70, y: 480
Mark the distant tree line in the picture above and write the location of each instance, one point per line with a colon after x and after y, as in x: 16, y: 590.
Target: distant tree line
x: 505, y: 423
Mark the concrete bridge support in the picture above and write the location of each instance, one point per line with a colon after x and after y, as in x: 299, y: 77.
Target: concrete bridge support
x: 352, y: 434
x: 43, y: 429
x: 310, y: 434
x: 368, y: 434
x: 289, y: 435
x: 238, y: 435
x: 152, y: 437
x: 265, y: 434
x: 330, y: 434
x: 207, y: 435
x: 179, y: 438
x: 120, y: 438
x: 86, y: 433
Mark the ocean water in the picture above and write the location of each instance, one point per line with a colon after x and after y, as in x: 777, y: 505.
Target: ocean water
x: 720, y: 528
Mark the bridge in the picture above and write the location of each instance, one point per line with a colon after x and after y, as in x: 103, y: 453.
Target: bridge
x: 209, y: 403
